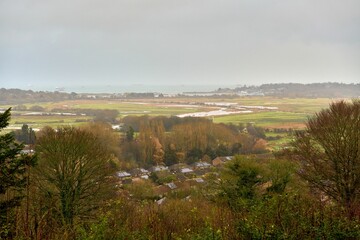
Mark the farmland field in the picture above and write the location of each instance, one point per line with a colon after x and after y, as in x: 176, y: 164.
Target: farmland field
x: 277, y: 112
x: 274, y: 119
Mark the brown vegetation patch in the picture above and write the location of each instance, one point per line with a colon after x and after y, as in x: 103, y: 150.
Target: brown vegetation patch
x: 286, y: 126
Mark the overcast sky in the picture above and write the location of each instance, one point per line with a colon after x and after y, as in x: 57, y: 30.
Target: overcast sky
x: 64, y: 42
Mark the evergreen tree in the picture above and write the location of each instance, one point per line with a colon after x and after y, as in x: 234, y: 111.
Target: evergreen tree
x: 240, y: 178
x: 222, y: 150
x: 13, y: 168
x: 170, y: 156
x: 130, y: 134
x: 26, y: 135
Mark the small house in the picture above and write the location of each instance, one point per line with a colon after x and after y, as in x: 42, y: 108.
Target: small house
x: 139, y: 172
x: 171, y: 185
x: 159, y: 168
x: 125, y: 177
x: 176, y: 167
x: 123, y: 174
x: 201, y: 165
x: 221, y: 160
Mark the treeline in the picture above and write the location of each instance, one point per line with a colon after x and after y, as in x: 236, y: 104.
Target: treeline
x: 292, y: 90
x: 18, y: 96
x: 167, y: 122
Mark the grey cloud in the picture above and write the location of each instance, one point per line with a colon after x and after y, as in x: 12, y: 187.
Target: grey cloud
x: 188, y: 41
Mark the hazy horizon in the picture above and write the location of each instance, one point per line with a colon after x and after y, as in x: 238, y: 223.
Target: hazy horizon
x: 168, y: 42
x: 139, y: 88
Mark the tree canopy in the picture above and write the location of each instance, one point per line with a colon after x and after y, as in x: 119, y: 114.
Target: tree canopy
x: 74, y: 168
x: 329, y: 150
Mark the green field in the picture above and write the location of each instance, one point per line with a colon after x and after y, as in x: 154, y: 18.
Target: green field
x: 139, y: 107
x: 53, y: 121
x: 278, y: 144
x: 291, y: 112
x: 273, y: 119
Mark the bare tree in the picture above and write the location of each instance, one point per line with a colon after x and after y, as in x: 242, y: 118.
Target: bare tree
x: 329, y: 150
x: 73, y: 171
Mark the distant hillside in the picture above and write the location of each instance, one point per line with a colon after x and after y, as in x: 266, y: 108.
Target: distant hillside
x: 328, y: 90
x: 314, y: 90
x: 17, y: 96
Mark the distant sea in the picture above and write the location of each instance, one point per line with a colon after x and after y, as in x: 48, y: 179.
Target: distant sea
x: 138, y: 88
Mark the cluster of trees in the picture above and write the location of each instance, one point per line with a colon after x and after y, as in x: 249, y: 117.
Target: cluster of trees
x: 26, y: 135
x: 170, y: 140
x: 68, y: 190
x: 35, y: 108
x: 139, y: 95
x: 168, y: 122
x: 66, y: 183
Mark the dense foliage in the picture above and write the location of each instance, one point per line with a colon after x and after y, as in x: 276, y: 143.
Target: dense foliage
x: 172, y: 140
